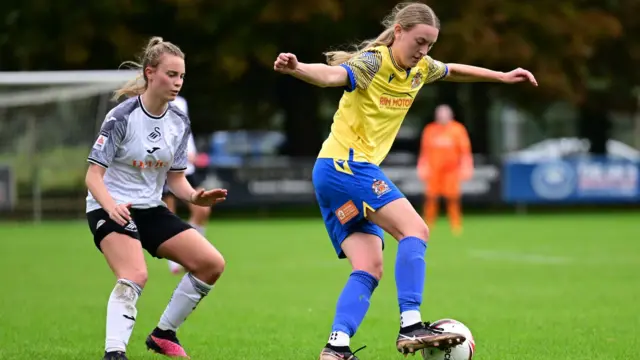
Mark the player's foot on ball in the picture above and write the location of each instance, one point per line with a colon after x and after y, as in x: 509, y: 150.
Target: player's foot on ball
x: 423, y: 335
x: 114, y: 355
x: 166, y: 343
x: 338, y: 353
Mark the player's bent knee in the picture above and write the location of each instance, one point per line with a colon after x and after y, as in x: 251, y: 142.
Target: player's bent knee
x: 372, y: 266
x: 210, y: 268
x: 138, y: 276
x: 374, y: 270
x: 422, y: 232
x: 418, y: 230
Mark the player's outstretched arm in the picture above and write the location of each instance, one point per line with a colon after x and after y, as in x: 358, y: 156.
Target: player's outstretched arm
x: 317, y: 74
x: 469, y: 73
x: 181, y: 188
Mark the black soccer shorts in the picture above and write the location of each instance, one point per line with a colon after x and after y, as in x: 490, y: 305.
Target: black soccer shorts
x: 151, y: 227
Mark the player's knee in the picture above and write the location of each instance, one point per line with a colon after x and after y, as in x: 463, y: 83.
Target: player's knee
x: 423, y: 232
x: 419, y: 230
x: 138, y: 276
x: 373, y: 267
x: 209, y: 269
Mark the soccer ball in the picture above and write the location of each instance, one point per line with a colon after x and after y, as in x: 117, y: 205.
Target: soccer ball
x: 463, y: 351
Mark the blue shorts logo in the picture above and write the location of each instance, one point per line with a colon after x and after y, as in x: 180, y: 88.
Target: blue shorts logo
x: 556, y: 180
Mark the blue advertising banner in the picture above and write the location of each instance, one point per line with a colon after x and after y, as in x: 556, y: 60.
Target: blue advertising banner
x: 583, y: 180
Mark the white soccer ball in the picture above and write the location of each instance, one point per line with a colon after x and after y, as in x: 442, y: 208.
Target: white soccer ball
x: 463, y: 351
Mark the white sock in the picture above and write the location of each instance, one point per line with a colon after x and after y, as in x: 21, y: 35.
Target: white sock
x: 121, y: 314
x: 339, y: 338
x: 408, y: 318
x: 184, y: 300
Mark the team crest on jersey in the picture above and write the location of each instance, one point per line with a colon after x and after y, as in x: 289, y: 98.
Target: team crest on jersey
x: 417, y: 80
x: 155, y: 135
x: 380, y: 187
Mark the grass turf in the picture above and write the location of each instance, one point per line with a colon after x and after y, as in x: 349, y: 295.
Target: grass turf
x: 534, y: 287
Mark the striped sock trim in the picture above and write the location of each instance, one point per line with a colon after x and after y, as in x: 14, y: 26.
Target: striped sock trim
x: 201, y: 287
x: 131, y: 284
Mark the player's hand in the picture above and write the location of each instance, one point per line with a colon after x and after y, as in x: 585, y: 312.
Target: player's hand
x: 285, y: 63
x: 519, y: 75
x: 202, y: 197
x: 120, y: 214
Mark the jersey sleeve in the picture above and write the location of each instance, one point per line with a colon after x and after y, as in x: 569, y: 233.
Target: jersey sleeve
x: 111, y: 135
x: 191, y: 146
x: 362, y: 69
x: 436, y: 70
x: 180, y: 159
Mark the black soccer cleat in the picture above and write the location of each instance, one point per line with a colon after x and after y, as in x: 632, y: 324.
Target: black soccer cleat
x: 424, y: 335
x: 338, y: 353
x: 114, y: 355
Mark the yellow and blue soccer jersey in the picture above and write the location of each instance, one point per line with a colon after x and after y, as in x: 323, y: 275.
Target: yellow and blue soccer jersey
x: 347, y: 178
x: 376, y: 102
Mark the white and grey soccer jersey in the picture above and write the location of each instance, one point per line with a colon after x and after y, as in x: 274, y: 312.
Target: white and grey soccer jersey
x: 181, y: 103
x: 138, y: 149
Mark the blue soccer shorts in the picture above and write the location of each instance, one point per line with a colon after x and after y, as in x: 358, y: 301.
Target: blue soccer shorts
x: 347, y: 191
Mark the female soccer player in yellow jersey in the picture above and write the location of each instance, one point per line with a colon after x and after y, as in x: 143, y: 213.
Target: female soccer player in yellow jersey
x: 356, y: 199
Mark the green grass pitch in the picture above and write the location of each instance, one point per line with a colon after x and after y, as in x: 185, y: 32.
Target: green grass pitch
x: 533, y: 287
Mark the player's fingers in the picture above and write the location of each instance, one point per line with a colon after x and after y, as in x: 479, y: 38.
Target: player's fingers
x: 124, y: 213
x: 532, y: 78
x: 118, y: 219
x: 216, y: 193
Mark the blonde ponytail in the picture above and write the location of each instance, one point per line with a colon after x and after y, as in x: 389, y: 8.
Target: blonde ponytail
x: 133, y: 87
x: 407, y: 15
x: 155, y: 48
x: 386, y: 38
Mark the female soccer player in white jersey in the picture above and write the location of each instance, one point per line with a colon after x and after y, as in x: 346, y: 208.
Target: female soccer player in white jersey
x: 357, y: 201
x: 142, y: 144
x: 199, y: 214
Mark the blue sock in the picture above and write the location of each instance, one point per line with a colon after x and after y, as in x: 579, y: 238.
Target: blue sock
x: 410, y: 273
x: 353, y: 302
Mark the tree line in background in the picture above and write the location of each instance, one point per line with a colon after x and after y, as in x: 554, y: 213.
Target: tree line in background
x: 583, y: 52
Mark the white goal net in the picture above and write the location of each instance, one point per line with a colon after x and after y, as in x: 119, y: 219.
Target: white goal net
x: 48, y: 121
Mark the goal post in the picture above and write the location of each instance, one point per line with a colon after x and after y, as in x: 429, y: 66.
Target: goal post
x: 48, y: 121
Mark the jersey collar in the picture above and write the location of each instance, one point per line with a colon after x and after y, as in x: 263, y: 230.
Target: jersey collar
x: 148, y: 113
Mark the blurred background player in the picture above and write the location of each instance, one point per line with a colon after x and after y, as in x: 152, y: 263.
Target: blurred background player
x: 143, y: 144
x: 444, y: 161
x: 198, y: 214
x: 356, y: 199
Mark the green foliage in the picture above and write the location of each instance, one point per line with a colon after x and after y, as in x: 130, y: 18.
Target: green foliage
x: 231, y: 45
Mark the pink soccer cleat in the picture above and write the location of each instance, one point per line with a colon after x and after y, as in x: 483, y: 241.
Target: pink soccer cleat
x: 166, y: 343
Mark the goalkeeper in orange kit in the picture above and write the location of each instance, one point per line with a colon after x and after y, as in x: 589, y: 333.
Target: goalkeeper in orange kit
x: 444, y: 162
